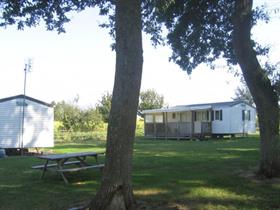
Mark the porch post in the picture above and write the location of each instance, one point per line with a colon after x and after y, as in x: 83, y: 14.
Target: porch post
x: 165, y: 124
x: 192, y: 124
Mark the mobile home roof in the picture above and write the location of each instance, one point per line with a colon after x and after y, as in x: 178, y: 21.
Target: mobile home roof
x: 191, y: 107
x: 26, y: 97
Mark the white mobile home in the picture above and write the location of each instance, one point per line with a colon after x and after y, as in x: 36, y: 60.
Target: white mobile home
x: 200, y: 120
x: 26, y: 122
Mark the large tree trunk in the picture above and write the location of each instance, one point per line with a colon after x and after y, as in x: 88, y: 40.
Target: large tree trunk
x: 264, y: 94
x: 115, y: 192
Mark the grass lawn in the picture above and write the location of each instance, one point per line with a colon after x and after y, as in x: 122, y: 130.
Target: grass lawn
x: 181, y: 174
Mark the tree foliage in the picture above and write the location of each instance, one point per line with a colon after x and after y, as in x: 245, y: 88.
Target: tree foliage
x: 201, y: 31
x: 74, y: 118
x: 30, y: 13
x: 242, y: 93
x: 104, y: 106
x: 150, y: 99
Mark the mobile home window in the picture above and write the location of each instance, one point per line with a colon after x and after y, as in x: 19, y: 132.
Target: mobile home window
x: 201, y: 116
x: 246, y: 115
x: 149, y: 118
x: 219, y: 114
x: 159, y: 118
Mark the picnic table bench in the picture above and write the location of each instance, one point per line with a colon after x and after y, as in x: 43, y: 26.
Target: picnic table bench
x: 62, y: 160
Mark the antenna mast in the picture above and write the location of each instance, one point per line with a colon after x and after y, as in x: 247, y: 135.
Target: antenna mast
x: 27, y: 68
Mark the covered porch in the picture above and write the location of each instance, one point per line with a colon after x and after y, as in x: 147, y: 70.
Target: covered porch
x: 178, y: 124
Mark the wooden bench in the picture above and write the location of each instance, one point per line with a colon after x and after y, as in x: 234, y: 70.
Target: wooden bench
x: 100, y: 166
x: 55, y: 164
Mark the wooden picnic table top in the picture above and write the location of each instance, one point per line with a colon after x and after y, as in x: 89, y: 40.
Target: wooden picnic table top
x: 68, y: 155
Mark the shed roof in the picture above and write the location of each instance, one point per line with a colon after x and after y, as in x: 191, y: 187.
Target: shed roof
x: 26, y: 97
x: 192, y: 107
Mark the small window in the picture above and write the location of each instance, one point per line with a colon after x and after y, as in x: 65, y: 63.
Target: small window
x: 149, y: 118
x: 159, y: 119
x: 219, y: 115
x: 246, y: 115
x: 173, y: 115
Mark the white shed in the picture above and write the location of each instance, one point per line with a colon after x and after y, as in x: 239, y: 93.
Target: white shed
x: 199, y: 120
x: 26, y: 122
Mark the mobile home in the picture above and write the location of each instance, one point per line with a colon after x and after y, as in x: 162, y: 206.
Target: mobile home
x: 26, y: 122
x: 200, y: 120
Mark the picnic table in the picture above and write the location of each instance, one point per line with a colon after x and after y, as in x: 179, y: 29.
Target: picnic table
x: 59, y: 161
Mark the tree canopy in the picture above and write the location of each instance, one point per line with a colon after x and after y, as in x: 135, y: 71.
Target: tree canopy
x: 150, y: 99
x: 73, y: 118
x: 201, y: 31
x: 242, y: 93
x: 104, y: 106
x: 31, y: 13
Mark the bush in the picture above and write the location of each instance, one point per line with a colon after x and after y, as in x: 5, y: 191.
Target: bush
x: 139, y: 127
x: 79, y: 136
x: 99, y: 133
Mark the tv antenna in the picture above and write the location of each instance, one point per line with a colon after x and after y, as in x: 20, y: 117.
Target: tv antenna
x: 27, y: 69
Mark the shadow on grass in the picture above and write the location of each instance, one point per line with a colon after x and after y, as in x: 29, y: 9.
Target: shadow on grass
x: 201, y: 175
x: 198, y: 175
x: 22, y: 188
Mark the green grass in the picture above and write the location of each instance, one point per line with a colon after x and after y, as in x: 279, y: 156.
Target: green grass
x: 192, y: 174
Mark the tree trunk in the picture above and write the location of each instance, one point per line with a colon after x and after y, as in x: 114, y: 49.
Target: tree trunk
x: 115, y: 192
x: 263, y: 92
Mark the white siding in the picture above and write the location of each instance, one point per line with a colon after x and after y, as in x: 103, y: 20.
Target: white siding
x: 236, y: 125
x: 222, y: 126
x: 10, y: 125
x: 38, y: 125
x: 250, y: 125
x: 232, y: 122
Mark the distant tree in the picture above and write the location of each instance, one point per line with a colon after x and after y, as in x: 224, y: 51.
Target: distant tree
x: 69, y: 115
x: 242, y: 93
x: 73, y: 118
x: 59, y: 110
x: 104, y: 106
x: 90, y: 119
x: 150, y: 99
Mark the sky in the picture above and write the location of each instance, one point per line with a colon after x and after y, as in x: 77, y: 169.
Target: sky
x: 81, y: 63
